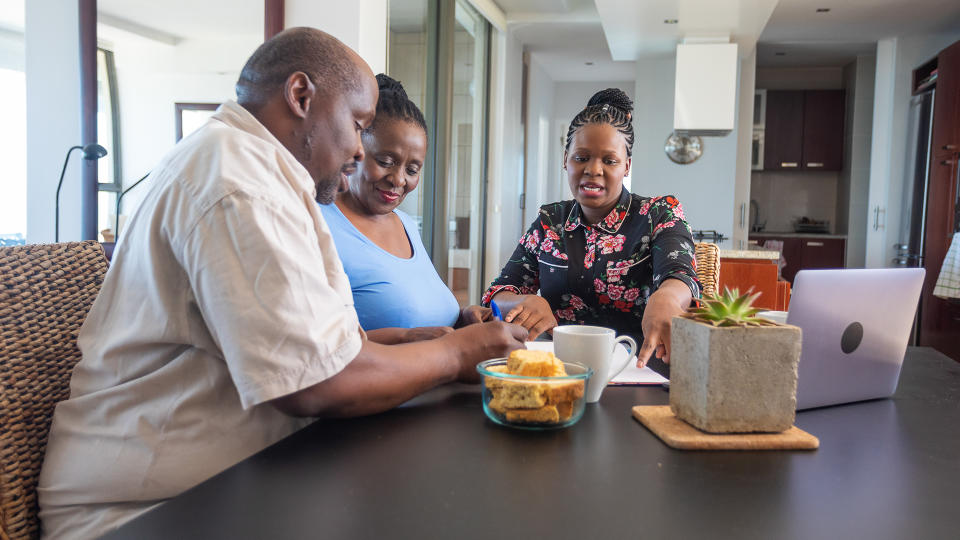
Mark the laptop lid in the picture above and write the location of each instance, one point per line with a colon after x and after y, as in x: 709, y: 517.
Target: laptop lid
x: 856, y: 324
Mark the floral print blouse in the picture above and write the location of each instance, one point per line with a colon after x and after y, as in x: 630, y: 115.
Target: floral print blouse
x: 627, y: 255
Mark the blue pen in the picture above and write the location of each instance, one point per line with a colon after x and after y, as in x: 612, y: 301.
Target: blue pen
x: 496, y: 310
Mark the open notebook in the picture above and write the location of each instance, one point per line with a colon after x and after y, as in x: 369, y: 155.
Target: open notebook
x: 631, y: 375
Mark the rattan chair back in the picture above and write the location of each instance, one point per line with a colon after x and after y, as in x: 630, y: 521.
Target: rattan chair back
x: 708, y: 267
x: 45, y: 293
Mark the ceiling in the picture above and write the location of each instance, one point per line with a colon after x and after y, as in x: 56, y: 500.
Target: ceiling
x: 807, y: 38
x: 810, y: 54
x: 859, y: 21
x: 563, y: 34
x: 565, y: 38
x: 186, y: 19
x: 638, y: 29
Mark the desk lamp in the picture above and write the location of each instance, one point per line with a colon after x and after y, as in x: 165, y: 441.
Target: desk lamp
x: 90, y: 152
x: 116, y: 214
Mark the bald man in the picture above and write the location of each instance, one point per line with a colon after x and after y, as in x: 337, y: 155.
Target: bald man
x: 226, y: 319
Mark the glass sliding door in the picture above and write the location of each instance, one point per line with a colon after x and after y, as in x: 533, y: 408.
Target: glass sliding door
x: 439, y: 50
x: 408, y: 42
x: 13, y: 128
x: 465, y: 206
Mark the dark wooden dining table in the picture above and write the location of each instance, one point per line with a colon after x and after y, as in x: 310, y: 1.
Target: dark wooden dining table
x: 437, y: 468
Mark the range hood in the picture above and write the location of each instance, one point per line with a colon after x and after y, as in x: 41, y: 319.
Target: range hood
x: 705, y: 96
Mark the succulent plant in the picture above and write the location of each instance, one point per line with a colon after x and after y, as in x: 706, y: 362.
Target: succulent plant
x: 729, y: 309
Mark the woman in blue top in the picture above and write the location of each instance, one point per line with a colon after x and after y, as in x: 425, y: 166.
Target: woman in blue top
x: 395, y: 285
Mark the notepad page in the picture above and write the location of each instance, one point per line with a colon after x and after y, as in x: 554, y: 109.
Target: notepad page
x: 631, y: 375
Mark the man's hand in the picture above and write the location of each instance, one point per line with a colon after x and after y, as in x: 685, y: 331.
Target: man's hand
x: 396, y: 336
x: 424, y: 333
x: 669, y: 301
x: 474, y: 314
x: 528, y: 310
x: 478, y: 342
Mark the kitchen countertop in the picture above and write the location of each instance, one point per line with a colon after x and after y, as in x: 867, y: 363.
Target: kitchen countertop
x: 749, y: 254
x: 772, y: 234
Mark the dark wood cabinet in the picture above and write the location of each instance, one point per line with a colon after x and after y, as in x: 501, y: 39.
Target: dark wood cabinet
x: 804, y: 130
x: 946, y: 108
x: 823, y: 129
x: 783, y: 137
x: 805, y: 253
x: 939, y: 318
x: 825, y: 253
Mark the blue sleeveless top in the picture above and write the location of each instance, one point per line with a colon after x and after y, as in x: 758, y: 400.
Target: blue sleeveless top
x: 388, y: 291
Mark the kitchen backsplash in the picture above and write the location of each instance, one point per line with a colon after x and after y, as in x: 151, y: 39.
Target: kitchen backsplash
x: 783, y: 197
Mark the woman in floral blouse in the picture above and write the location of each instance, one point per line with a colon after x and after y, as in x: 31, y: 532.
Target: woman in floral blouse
x: 607, y: 258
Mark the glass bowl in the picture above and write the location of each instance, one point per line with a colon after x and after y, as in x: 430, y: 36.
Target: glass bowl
x: 536, y: 403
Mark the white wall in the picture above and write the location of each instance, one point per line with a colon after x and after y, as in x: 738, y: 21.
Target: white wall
x: 505, y: 165
x: 152, y: 76
x: 540, y: 89
x: 742, y: 183
x: 896, y: 59
x: 53, y: 117
x: 360, y: 24
x: 853, y: 194
x: 505, y: 222
x: 706, y: 188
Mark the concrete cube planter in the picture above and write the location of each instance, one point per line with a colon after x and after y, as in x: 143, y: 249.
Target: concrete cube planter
x: 734, y: 379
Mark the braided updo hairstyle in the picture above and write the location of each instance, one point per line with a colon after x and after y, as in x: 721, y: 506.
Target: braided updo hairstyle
x: 395, y: 104
x: 610, y: 106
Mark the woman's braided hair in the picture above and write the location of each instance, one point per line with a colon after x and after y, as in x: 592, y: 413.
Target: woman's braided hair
x: 395, y: 104
x: 610, y: 106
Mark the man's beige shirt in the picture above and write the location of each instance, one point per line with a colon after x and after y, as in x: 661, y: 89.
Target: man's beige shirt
x: 225, y: 292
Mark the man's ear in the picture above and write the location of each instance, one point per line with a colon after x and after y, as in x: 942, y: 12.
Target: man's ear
x: 299, y: 93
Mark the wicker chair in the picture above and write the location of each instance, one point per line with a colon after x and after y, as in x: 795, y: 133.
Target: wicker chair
x: 708, y: 267
x: 45, y: 293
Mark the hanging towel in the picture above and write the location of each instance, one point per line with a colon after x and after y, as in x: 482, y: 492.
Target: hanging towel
x: 948, y: 284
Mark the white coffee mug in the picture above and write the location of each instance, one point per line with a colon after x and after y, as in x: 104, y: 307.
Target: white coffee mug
x: 592, y: 346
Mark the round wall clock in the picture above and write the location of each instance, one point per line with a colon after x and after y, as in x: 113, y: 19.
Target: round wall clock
x: 683, y: 150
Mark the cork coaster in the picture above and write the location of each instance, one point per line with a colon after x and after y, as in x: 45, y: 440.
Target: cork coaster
x: 678, y: 434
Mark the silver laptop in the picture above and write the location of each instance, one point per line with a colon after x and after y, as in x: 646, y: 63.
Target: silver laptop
x: 856, y: 324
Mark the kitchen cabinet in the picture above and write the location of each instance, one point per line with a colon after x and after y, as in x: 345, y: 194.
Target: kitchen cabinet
x: 757, y: 276
x: 825, y: 253
x: 939, y: 318
x: 808, y: 252
x: 783, y: 132
x: 939, y: 324
x: 823, y: 129
x: 804, y: 130
x: 946, y: 109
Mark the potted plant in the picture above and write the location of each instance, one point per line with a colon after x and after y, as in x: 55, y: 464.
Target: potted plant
x: 731, y: 371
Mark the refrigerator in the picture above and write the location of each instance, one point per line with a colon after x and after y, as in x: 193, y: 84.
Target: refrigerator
x: 910, y: 246
x: 913, y: 213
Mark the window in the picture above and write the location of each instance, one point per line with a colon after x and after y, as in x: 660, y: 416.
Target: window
x: 190, y: 116
x: 13, y: 129
x: 439, y: 50
x: 110, y: 170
